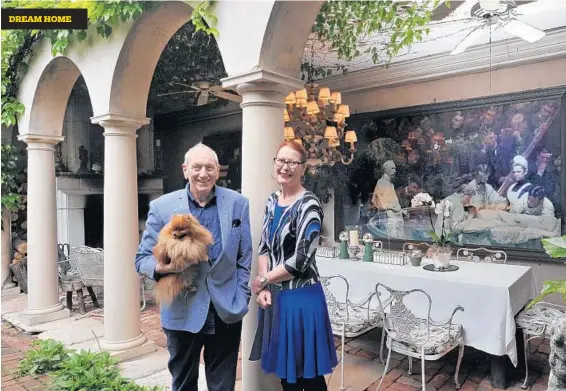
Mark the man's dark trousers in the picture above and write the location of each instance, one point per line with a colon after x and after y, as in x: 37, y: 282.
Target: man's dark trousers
x: 220, y: 356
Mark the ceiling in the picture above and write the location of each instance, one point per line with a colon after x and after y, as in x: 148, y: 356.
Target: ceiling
x: 449, y: 27
x: 188, y: 58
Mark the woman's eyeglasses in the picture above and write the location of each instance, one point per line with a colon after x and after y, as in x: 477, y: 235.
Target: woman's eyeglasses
x: 293, y: 164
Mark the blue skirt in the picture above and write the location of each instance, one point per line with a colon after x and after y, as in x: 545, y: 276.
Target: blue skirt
x: 294, y: 337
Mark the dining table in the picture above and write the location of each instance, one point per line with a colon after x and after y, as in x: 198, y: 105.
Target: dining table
x: 491, y: 294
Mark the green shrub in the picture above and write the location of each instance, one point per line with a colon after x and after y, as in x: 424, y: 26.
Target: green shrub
x: 46, y: 357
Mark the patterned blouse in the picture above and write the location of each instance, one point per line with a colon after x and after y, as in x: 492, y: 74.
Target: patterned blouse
x: 295, y: 239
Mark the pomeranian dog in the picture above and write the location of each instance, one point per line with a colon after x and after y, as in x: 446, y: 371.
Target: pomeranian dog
x: 183, y: 243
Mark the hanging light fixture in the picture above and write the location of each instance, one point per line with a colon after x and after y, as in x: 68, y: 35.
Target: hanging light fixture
x: 316, y: 117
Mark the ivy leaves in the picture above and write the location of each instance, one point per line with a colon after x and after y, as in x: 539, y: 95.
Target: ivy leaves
x: 202, y: 17
x: 347, y: 25
x: 17, y: 44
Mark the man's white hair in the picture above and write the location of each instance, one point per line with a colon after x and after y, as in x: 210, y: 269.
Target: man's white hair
x: 202, y: 147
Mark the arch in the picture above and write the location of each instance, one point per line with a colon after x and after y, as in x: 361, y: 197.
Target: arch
x: 286, y: 34
x: 139, y: 55
x: 47, y: 102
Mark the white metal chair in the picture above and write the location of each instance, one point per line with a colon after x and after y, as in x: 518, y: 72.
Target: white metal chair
x: 417, y: 337
x: 481, y: 254
x: 535, y: 322
x: 350, y: 319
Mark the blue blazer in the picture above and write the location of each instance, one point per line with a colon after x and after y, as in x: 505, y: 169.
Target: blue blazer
x: 225, y: 283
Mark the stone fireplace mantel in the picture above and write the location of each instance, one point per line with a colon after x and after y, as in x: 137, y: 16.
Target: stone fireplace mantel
x: 72, y: 192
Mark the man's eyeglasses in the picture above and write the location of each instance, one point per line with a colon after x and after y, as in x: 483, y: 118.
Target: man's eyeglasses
x: 293, y: 164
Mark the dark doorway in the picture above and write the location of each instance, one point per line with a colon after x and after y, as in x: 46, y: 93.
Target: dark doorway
x: 94, y: 220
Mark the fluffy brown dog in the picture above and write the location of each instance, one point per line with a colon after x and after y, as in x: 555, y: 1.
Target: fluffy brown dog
x: 183, y: 243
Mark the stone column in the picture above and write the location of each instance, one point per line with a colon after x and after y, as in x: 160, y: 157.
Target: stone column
x: 6, y: 249
x: 122, y: 331
x: 263, y: 94
x: 43, y: 284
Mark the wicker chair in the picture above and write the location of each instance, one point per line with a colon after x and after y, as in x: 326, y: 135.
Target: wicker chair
x: 350, y: 319
x: 417, y: 337
x: 70, y: 280
x: 90, y: 264
x: 481, y: 254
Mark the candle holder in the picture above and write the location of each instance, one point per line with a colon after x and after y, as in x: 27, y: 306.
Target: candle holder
x: 368, y: 247
x: 343, y: 254
x: 354, y: 234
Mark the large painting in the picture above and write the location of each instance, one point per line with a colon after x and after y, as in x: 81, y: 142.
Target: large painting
x: 228, y: 146
x: 497, y: 160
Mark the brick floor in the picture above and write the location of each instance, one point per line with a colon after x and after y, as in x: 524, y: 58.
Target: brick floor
x: 14, y: 345
x: 474, y: 372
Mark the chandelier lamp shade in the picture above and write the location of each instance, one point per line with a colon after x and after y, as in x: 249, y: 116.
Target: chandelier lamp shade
x: 316, y: 118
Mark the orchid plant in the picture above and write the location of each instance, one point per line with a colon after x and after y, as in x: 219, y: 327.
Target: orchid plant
x: 444, y: 208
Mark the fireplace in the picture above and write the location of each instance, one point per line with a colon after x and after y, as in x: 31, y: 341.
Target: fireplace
x: 80, y: 207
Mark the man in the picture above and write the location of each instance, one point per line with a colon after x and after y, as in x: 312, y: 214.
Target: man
x: 212, y: 316
x: 385, y: 200
x: 537, y: 204
x: 485, y: 196
x: 452, y: 214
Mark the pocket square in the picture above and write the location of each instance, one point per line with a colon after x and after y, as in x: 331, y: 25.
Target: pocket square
x: 236, y: 223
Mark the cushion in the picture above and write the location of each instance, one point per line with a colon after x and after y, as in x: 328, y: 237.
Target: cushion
x: 537, y: 319
x: 412, y: 340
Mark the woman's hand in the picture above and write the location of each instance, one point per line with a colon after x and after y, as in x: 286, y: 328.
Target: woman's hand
x: 264, y: 298
x: 257, y: 285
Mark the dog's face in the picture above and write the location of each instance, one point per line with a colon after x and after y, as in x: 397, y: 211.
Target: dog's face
x: 183, y: 225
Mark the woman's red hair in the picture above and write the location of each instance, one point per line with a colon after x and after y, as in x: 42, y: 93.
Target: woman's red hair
x: 295, y: 147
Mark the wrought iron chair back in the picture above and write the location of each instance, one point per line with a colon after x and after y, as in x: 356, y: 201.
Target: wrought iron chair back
x: 66, y: 267
x: 400, y: 321
x: 331, y: 300
x: 90, y: 264
x: 481, y: 254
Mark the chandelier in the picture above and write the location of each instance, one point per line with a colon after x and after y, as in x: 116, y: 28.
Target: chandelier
x: 316, y: 118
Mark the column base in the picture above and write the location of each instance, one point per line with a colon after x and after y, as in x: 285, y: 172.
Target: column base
x: 115, y: 346
x: 132, y: 352
x: 35, y: 317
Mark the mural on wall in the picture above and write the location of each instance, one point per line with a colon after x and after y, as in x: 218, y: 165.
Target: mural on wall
x: 228, y: 147
x: 497, y: 166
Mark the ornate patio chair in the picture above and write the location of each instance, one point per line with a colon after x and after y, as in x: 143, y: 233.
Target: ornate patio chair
x: 481, y: 254
x: 535, y: 323
x: 417, y: 337
x: 350, y: 319
x: 90, y: 264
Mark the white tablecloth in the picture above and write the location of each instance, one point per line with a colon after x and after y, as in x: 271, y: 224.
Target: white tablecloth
x: 491, y: 294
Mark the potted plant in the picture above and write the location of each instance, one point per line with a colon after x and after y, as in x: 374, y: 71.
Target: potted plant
x: 441, y: 250
x: 556, y: 248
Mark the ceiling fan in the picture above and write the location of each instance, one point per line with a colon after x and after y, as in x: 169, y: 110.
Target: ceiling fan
x: 205, y: 92
x: 502, y: 14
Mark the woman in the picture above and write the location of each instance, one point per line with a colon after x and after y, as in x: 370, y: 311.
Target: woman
x: 294, y: 337
x: 517, y: 193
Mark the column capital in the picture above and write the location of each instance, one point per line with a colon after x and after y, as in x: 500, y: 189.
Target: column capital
x: 46, y: 141
x: 261, y: 87
x: 120, y: 121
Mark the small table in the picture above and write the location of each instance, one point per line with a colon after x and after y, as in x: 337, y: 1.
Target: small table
x: 74, y: 284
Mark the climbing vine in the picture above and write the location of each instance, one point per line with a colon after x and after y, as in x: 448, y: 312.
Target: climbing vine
x: 17, y: 44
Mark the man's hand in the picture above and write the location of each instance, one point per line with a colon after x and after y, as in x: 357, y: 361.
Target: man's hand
x: 264, y: 298
x: 167, y: 269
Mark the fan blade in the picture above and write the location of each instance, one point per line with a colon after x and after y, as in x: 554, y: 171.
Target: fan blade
x: 524, y: 31
x: 202, y: 98
x: 185, y: 85
x: 178, y: 92
x: 228, y: 96
x: 468, y: 41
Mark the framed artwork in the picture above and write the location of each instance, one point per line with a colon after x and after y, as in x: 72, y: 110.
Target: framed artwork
x: 497, y: 161
x: 228, y: 147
